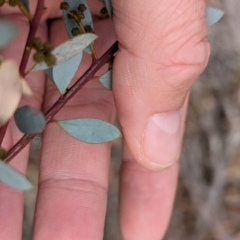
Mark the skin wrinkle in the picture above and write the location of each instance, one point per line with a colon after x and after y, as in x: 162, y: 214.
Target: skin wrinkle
x: 176, y: 29
x: 134, y: 84
x: 67, y: 183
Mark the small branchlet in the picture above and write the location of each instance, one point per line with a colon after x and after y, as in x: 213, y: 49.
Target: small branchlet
x: 78, y: 16
x: 18, y: 3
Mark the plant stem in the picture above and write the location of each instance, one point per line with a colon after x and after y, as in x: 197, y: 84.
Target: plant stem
x: 3, y: 132
x: 32, y: 32
x: 65, y: 98
x: 24, y: 11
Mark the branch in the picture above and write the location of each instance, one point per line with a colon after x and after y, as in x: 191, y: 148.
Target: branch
x: 32, y: 32
x: 65, y: 98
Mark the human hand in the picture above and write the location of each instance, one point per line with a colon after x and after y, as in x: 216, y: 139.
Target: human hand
x: 163, y: 49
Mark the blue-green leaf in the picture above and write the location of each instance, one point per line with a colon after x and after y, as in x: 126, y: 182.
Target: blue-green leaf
x: 108, y: 6
x: 13, y: 178
x: 213, y: 15
x: 90, y: 130
x: 106, y: 80
x: 49, y: 73
x: 64, y: 72
x: 8, y: 33
x: 29, y: 120
x: 25, y: 4
x: 68, y: 50
x: 70, y: 23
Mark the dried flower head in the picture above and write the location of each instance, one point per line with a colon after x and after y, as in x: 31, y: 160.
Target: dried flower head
x: 104, y: 12
x: 50, y: 59
x: 82, y: 8
x: 47, y: 47
x: 88, y: 29
x: 38, y: 57
x: 80, y: 15
x: 13, y: 3
x: 36, y: 44
x: 75, y: 32
x: 64, y: 6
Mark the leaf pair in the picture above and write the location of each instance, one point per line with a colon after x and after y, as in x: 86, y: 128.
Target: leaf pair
x: 69, y: 56
x: 89, y: 130
x: 68, y: 50
x: 63, y: 73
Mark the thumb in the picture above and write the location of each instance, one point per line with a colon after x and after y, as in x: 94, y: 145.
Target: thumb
x: 163, y: 48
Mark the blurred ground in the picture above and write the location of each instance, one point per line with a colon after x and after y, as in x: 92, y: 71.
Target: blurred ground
x: 207, y: 205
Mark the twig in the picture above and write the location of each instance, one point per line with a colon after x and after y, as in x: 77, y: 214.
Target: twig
x: 79, y: 23
x: 32, y: 32
x: 24, y: 11
x: 65, y: 98
x: 3, y: 132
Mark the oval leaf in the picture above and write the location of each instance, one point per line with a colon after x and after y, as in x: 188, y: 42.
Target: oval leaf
x: 29, y: 120
x: 68, y: 50
x: 13, y: 178
x: 64, y: 72
x: 213, y: 15
x: 10, y: 89
x: 8, y: 33
x: 70, y: 23
x: 108, y: 6
x: 106, y: 80
x: 90, y: 130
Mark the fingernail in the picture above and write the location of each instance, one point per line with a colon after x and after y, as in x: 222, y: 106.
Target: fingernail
x: 162, y: 138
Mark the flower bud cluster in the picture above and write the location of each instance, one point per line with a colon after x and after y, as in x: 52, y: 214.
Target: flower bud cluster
x: 43, y: 52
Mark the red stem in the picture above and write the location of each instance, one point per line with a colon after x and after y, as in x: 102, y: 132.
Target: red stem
x: 65, y: 98
x: 3, y: 132
x: 32, y: 33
